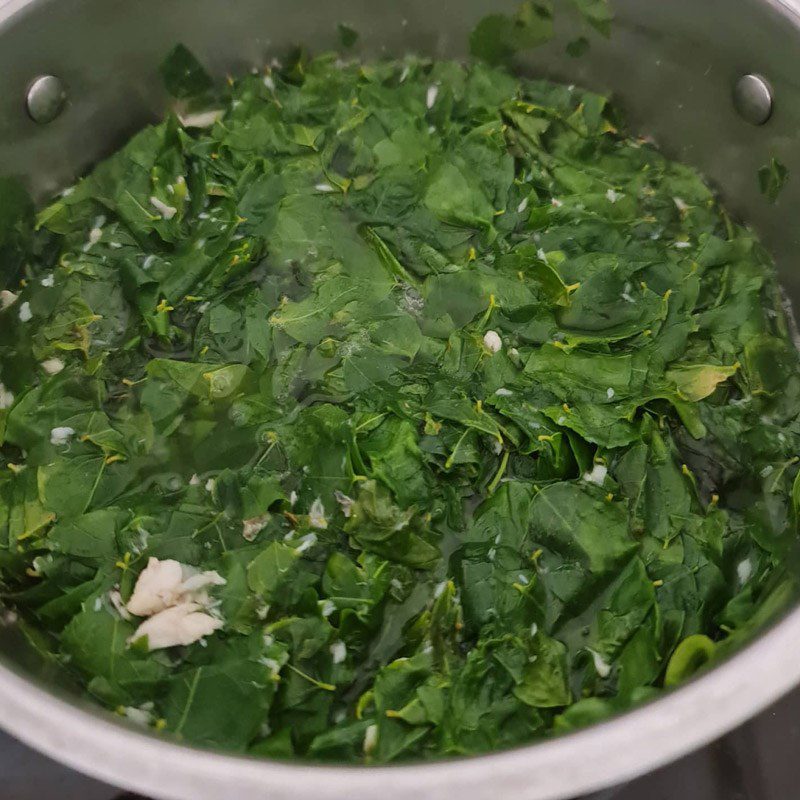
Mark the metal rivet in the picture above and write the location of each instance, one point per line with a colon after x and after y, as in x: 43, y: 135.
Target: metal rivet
x: 752, y: 98
x: 45, y: 99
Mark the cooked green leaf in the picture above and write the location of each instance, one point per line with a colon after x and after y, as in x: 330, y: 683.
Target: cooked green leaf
x: 183, y: 75
x: 772, y: 178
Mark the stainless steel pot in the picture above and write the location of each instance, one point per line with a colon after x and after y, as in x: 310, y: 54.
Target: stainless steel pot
x: 674, y: 67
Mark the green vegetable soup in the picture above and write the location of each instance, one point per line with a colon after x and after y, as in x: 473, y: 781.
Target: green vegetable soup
x: 388, y: 411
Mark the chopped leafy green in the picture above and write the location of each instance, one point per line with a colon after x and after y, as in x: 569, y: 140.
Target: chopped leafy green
x: 597, y: 13
x: 16, y: 228
x: 772, y: 178
x: 498, y: 37
x: 348, y: 36
x: 689, y: 656
x: 578, y: 47
x: 396, y: 410
x: 183, y: 75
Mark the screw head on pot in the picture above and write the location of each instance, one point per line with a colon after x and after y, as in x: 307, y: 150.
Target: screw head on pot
x: 753, y: 99
x: 45, y: 99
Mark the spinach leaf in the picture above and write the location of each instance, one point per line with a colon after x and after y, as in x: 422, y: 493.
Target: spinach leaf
x: 772, y: 178
x: 183, y: 75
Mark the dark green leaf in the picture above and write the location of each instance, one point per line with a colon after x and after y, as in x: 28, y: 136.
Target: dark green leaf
x: 772, y: 178
x: 183, y: 75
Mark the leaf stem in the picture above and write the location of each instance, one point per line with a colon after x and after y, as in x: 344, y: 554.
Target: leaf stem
x: 499, y: 474
x: 189, y: 700
x: 328, y: 687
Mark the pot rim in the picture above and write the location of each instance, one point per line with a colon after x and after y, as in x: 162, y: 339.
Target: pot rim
x: 600, y: 756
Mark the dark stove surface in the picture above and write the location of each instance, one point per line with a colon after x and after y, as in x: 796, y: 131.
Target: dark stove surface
x: 759, y: 761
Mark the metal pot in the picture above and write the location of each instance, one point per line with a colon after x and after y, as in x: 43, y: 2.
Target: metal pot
x: 676, y: 68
